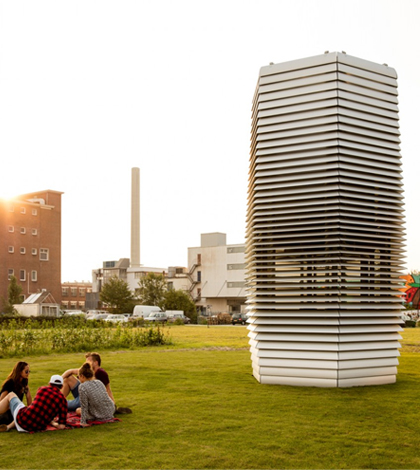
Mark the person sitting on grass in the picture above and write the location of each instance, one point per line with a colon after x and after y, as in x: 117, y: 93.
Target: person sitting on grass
x: 72, y: 383
x: 17, y: 382
x: 95, y: 403
x: 48, y: 403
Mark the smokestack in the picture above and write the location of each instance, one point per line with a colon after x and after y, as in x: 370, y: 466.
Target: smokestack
x: 135, y: 217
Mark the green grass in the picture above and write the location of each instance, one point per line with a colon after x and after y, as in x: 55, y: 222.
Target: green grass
x: 196, y: 405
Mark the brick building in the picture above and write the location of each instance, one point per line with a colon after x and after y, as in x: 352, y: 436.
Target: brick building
x: 73, y: 295
x: 30, y: 243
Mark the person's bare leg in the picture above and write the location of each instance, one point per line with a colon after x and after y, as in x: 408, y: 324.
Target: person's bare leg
x: 4, y: 404
x: 11, y: 425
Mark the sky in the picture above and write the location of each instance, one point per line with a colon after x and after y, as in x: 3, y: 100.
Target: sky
x: 92, y: 88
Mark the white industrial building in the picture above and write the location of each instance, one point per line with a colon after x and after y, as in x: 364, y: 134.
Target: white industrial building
x: 216, y: 272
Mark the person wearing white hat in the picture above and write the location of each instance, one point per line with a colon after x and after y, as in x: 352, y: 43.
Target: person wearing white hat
x: 48, y: 403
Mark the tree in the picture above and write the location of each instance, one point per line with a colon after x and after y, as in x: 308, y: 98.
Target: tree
x: 152, y: 288
x: 117, y: 295
x: 180, y: 300
x: 14, y: 296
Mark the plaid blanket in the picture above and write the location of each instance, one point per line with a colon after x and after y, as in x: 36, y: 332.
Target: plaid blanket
x: 73, y: 421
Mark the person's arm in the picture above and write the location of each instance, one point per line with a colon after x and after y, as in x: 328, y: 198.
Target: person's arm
x: 109, y: 391
x: 58, y: 426
x: 69, y: 372
x: 84, y: 405
x: 28, y: 396
x: 62, y: 411
x: 4, y: 394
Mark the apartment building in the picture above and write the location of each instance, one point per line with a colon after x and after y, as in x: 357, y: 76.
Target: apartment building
x: 73, y: 295
x: 30, y: 245
x: 122, y: 270
x: 217, y: 275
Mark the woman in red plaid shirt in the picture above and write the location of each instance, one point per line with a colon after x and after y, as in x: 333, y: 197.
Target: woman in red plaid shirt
x: 48, y: 403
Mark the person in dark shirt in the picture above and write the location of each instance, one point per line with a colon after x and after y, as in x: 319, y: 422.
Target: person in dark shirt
x: 48, y: 403
x: 71, y: 382
x: 17, y: 382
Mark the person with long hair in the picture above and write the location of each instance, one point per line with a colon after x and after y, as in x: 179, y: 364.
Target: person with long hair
x: 17, y: 382
x: 94, y: 399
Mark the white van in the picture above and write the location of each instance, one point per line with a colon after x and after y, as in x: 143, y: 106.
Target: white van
x: 175, y: 313
x: 144, y: 311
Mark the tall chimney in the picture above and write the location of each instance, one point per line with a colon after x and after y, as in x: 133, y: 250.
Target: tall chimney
x: 135, y: 217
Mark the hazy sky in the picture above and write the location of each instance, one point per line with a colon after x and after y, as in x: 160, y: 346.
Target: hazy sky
x: 90, y: 89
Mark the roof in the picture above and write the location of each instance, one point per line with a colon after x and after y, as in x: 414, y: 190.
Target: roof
x: 43, y: 297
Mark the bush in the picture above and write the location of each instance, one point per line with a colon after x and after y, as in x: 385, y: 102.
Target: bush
x: 19, y: 338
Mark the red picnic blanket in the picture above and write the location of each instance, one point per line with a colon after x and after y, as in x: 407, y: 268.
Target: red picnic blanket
x: 73, y: 421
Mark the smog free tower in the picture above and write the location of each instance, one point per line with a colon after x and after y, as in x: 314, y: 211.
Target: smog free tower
x: 325, y: 223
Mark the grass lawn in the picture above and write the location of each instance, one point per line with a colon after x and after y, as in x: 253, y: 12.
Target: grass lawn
x: 196, y: 405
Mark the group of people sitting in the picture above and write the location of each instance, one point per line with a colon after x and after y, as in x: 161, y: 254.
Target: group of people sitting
x: 89, y: 385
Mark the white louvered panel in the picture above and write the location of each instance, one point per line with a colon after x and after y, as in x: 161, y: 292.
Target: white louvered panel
x: 320, y: 374
x: 346, y: 355
x: 285, y: 353
x: 296, y: 381
x: 368, y: 372
x: 364, y: 381
x: 325, y: 223
x: 295, y: 363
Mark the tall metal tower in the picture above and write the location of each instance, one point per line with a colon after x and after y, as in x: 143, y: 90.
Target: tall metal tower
x: 325, y: 223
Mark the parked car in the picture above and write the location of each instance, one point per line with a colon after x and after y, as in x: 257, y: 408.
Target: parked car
x: 115, y: 318
x: 157, y: 317
x: 239, y: 318
x: 179, y: 316
x: 98, y: 316
x: 143, y: 311
x: 92, y: 314
x: 70, y: 313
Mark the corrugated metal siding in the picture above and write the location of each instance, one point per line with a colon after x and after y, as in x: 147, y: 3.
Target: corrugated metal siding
x: 325, y: 223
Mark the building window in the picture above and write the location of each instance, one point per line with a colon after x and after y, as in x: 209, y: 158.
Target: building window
x: 22, y: 230
x: 34, y: 231
x: 10, y: 273
x: 34, y: 251
x: 170, y: 285
x: 65, y: 291
x: 44, y: 254
x: 34, y: 212
x: 11, y: 228
x: 82, y: 291
x: 236, y: 266
x: 73, y: 291
x: 198, y: 276
x: 22, y: 275
x: 23, y: 210
x: 236, y: 249
x: 34, y: 276
x: 233, y: 285
x: 11, y: 249
x: 22, y: 250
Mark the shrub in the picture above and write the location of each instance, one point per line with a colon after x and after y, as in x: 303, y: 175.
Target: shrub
x: 73, y: 335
